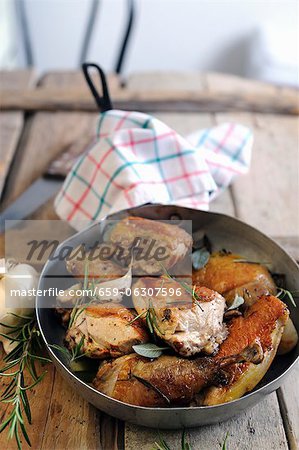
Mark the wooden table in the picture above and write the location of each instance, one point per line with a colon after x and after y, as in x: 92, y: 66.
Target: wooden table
x: 39, y: 117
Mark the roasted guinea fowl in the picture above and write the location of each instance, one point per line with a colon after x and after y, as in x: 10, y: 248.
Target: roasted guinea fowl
x: 228, y: 277
x: 263, y: 322
x: 167, y: 380
x: 107, y: 331
x: 186, y: 325
x: 150, y: 236
x: 97, y: 263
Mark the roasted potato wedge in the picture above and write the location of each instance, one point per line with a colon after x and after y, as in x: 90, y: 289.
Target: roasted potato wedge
x: 264, y: 322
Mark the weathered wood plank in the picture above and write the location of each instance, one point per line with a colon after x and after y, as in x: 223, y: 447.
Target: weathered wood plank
x: 165, y: 81
x: 39, y: 398
x: 71, y: 422
x: 267, y: 197
x: 75, y: 78
x: 47, y: 136
x: 288, y: 396
x: 222, y: 82
x: 11, y: 122
x: 68, y: 99
x: 260, y: 428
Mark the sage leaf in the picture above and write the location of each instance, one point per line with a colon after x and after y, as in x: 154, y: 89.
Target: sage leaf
x: 200, y: 258
x: 149, y: 350
x: 238, y: 301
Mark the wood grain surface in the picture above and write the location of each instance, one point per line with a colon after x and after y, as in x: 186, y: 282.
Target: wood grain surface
x: 11, y: 122
x: 267, y: 198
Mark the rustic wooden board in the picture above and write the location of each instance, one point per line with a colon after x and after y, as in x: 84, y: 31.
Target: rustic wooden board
x: 288, y: 396
x: 11, y: 122
x: 70, y: 99
x: 71, y: 421
x: 259, y: 428
x: 165, y: 81
x: 40, y: 401
x: 75, y: 79
x: 267, y: 197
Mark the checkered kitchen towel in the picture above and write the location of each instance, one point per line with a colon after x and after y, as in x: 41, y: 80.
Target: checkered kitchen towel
x: 137, y: 159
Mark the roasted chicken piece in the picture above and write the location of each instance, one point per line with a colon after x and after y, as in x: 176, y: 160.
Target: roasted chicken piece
x: 189, y: 326
x: 167, y: 380
x: 248, y: 280
x: 228, y: 277
x: 263, y: 322
x: 107, y: 331
x: 154, y: 242
x: 97, y: 264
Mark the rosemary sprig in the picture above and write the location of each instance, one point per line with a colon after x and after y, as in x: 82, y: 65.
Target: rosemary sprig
x: 161, y: 444
x: 185, y: 445
x: 224, y: 446
x: 137, y: 317
x: 21, y: 359
x: 75, y: 313
x: 74, y: 353
x: 150, y: 317
x: 190, y: 290
x: 248, y: 261
x: 285, y: 293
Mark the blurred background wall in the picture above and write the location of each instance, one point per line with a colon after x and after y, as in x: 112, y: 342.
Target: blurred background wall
x: 257, y: 39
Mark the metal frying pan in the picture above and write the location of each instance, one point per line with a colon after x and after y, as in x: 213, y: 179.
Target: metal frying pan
x: 223, y: 232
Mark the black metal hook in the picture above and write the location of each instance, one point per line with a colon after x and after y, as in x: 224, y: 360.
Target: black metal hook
x: 127, y: 34
x: 103, y: 102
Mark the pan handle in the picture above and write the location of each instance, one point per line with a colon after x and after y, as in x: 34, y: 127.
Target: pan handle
x: 103, y: 102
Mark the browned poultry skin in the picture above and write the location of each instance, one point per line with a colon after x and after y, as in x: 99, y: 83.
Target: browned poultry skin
x: 250, y: 281
x: 97, y: 265
x: 223, y: 274
x: 171, y: 378
x: 174, y: 240
x: 107, y: 330
x: 257, y: 324
x: 264, y: 323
